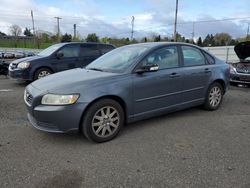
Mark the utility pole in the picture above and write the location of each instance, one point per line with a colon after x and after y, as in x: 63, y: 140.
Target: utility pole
x: 74, y: 32
x: 33, y: 24
x: 193, y: 33
x: 247, y: 29
x: 132, y: 29
x: 58, y: 28
x: 175, y: 21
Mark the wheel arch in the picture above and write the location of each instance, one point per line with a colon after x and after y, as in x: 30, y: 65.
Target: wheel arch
x: 222, y: 83
x: 42, y: 67
x: 113, y: 97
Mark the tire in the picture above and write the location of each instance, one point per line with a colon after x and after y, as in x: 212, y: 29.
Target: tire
x: 214, y: 97
x: 40, y: 73
x: 103, y: 120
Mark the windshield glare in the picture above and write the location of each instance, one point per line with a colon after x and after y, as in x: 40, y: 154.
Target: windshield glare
x: 118, y: 60
x: 50, y: 50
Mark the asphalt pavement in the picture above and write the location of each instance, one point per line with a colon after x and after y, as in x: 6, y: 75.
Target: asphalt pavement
x: 191, y: 148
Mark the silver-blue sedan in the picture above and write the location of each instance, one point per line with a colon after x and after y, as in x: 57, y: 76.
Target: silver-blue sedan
x: 128, y: 84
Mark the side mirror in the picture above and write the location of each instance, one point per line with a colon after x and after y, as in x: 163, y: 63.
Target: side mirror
x: 148, y: 68
x: 59, y: 55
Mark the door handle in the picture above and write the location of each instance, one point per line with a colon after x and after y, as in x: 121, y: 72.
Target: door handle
x: 174, y: 75
x: 207, y: 70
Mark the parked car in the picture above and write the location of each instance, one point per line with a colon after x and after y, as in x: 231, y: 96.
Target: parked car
x: 240, y: 72
x: 128, y: 84
x: 56, y: 58
x: 3, y: 67
x: 18, y: 55
x: 8, y: 55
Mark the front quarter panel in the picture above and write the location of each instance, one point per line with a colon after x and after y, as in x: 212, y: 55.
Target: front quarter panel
x: 118, y: 86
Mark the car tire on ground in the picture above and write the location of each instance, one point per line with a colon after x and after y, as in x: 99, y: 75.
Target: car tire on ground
x: 40, y: 73
x: 214, y: 96
x: 103, y: 120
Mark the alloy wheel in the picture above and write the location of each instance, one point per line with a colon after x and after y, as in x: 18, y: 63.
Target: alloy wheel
x: 215, y: 96
x: 105, y: 121
x: 43, y: 74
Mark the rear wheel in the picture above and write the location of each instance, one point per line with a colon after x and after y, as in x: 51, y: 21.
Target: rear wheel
x: 40, y: 73
x: 103, y: 120
x: 214, y: 97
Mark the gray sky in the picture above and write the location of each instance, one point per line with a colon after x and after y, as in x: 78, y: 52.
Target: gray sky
x: 113, y: 18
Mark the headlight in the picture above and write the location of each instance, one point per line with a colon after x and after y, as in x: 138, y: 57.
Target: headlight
x: 232, y: 69
x: 23, y: 65
x: 53, y: 99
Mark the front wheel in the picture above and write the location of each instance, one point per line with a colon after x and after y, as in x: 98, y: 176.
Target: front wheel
x: 103, y: 120
x: 40, y: 73
x: 214, y: 97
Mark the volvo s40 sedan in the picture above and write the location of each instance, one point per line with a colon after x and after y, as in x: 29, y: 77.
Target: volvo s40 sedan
x: 128, y: 84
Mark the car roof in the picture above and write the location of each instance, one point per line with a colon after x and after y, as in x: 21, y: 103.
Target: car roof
x: 155, y: 44
x: 86, y: 43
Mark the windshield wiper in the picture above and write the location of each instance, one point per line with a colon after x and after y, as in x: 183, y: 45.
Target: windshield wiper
x: 96, y: 69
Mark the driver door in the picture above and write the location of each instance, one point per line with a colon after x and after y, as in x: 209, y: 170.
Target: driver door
x: 160, y: 90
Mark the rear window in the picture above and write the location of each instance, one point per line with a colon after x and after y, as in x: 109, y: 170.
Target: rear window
x: 106, y: 48
x: 87, y: 50
x: 192, y: 56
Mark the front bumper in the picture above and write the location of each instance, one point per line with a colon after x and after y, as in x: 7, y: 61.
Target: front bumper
x: 56, y: 119
x: 240, y: 78
x: 19, y: 74
x: 49, y: 118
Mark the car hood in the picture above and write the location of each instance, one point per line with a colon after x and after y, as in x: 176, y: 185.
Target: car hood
x: 32, y: 58
x: 243, y: 50
x: 71, y: 80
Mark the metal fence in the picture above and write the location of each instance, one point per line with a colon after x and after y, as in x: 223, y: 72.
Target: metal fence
x: 225, y: 53
x: 19, y: 50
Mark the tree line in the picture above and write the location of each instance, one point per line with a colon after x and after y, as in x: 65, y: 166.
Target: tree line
x: 43, y: 39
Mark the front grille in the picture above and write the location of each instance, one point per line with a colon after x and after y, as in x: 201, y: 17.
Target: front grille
x: 244, y: 71
x: 28, y: 97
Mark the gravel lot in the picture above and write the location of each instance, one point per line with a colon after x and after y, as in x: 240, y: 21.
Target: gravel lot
x: 191, y: 148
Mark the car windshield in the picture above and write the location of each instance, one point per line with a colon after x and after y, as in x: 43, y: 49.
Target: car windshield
x: 50, y: 50
x: 117, y: 60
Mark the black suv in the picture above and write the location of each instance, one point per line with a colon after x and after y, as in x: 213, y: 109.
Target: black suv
x: 56, y: 58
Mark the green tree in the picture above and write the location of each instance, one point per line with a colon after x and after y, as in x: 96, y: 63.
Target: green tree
x: 66, y: 38
x: 92, y: 37
x: 27, y: 32
x: 222, y: 39
x: 157, y: 38
x: 209, y: 40
x: 2, y: 34
x: 244, y: 39
x: 199, y: 42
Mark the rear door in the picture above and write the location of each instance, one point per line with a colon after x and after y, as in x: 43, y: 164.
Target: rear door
x: 70, y: 57
x: 160, y: 90
x: 197, y: 73
x: 88, y: 53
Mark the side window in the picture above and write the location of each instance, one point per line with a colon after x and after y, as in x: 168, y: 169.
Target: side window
x: 87, y: 50
x: 166, y: 57
x: 192, y: 56
x: 209, y: 58
x: 70, y: 51
x: 106, y: 48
